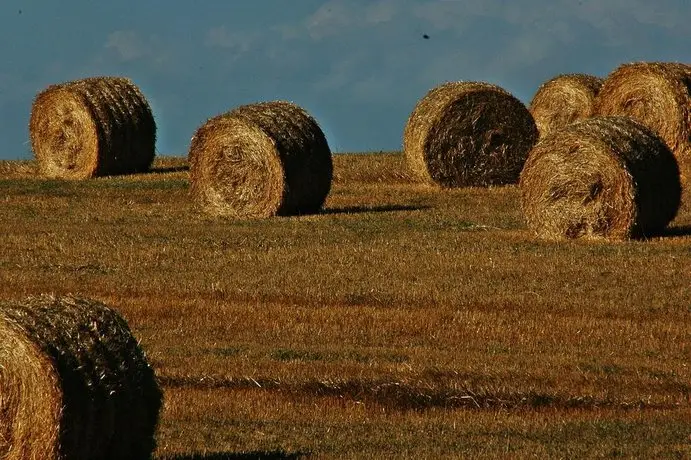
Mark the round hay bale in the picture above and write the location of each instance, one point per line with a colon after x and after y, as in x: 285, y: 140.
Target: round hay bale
x: 658, y: 94
x: 74, y: 383
x: 563, y: 100
x: 100, y: 126
x: 600, y: 178
x: 260, y: 160
x: 468, y: 134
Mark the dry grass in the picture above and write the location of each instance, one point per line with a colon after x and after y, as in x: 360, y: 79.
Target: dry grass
x: 98, y: 126
x: 402, y: 321
x: 564, y: 99
x: 74, y: 383
x: 604, y: 177
x: 260, y: 160
x: 468, y: 134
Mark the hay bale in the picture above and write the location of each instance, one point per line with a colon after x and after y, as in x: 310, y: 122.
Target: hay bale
x: 602, y: 177
x: 99, y: 126
x: 657, y: 94
x: 468, y: 133
x: 563, y: 100
x: 74, y: 383
x: 260, y: 160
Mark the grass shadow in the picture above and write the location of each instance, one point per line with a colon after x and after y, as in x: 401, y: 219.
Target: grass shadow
x: 168, y: 169
x: 364, y: 209
x: 271, y: 455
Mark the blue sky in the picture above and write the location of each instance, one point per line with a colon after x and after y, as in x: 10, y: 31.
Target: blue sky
x: 357, y: 66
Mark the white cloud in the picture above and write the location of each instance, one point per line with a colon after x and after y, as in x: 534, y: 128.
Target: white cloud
x: 343, y: 72
x: 611, y: 17
x: 524, y: 51
x: 128, y: 45
x: 338, y: 16
x: 450, y: 14
x: 239, y: 41
x: 330, y: 19
x: 382, y: 11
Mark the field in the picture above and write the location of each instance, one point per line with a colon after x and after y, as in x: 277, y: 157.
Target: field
x: 403, y: 321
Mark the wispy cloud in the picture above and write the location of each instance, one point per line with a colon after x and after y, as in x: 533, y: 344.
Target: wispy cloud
x: 382, y: 11
x: 338, y: 17
x: 239, y: 41
x: 330, y: 19
x: 610, y: 17
x: 128, y: 45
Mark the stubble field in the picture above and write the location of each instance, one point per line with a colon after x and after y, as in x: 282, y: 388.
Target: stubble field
x: 403, y: 321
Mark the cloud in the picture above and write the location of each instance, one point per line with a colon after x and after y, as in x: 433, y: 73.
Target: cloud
x: 330, y: 19
x: 239, y: 41
x: 337, y: 17
x: 612, y: 18
x: 448, y: 15
x: 382, y: 11
x: 342, y: 72
x: 128, y: 45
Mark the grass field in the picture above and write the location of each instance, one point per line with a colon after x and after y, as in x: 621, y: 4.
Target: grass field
x: 403, y: 321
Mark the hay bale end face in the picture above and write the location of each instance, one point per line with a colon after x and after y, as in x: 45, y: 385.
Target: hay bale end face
x: 98, y: 126
x: 658, y: 94
x: 74, y: 383
x: 563, y: 100
x: 600, y: 178
x: 260, y: 160
x: 468, y: 134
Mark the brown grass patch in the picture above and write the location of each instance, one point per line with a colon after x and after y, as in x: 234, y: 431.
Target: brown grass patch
x: 604, y: 177
x: 260, y: 160
x: 658, y: 94
x: 563, y: 100
x: 74, y: 383
x: 99, y: 126
x: 468, y: 133
x: 382, y: 322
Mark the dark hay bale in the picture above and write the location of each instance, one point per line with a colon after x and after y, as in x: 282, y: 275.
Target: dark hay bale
x: 602, y: 177
x: 74, y: 383
x: 260, y: 160
x: 657, y: 94
x: 99, y: 126
x: 467, y: 134
x: 563, y: 100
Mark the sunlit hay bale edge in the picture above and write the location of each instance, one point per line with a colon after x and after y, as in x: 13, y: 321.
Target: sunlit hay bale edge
x: 468, y: 134
x: 98, y: 126
x: 74, y: 383
x: 603, y: 177
x: 260, y: 160
x: 563, y: 100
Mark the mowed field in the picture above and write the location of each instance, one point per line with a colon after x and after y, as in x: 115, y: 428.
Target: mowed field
x: 403, y: 321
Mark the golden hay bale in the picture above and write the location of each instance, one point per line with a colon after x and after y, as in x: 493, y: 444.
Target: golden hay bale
x: 260, y: 160
x: 602, y: 177
x: 468, y: 133
x: 563, y: 100
x: 657, y: 94
x: 74, y: 383
x: 98, y: 126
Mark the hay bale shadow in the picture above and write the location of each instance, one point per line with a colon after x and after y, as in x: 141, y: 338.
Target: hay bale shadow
x: 169, y: 169
x: 364, y: 209
x: 682, y: 230
x: 270, y: 455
